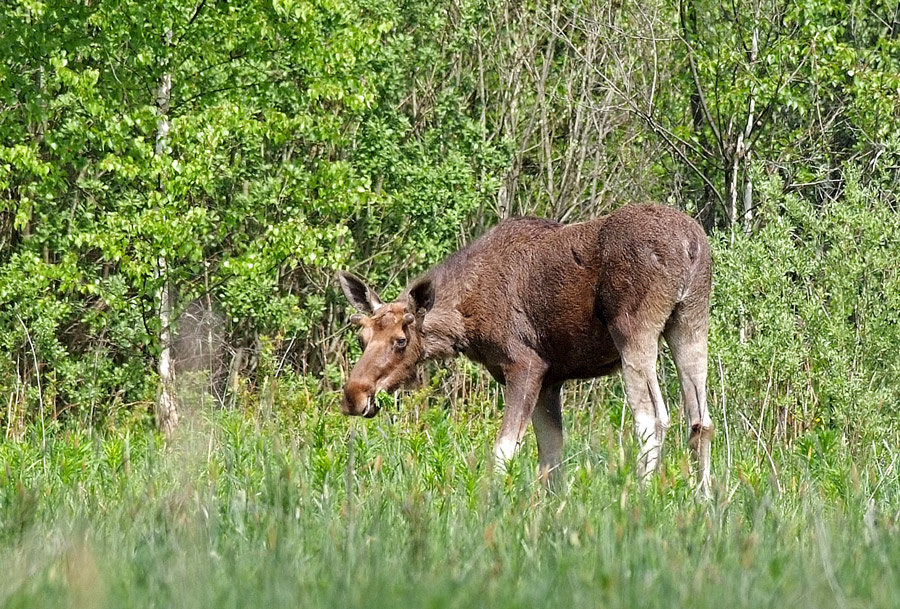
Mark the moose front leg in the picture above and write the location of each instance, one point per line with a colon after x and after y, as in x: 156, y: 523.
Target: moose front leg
x: 523, y: 384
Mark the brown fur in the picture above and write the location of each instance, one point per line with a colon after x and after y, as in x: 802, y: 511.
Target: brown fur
x: 538, y: 303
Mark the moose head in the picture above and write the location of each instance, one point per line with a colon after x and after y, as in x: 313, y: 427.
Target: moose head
x: 392, y: 338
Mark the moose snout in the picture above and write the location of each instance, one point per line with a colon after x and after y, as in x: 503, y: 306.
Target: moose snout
x: 359, y: 400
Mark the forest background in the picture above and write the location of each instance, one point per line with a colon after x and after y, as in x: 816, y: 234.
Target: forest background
x: 188, y: 177
x: 179, y: 182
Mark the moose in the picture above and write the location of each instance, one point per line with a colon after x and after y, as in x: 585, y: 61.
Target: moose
x: 538, y: 302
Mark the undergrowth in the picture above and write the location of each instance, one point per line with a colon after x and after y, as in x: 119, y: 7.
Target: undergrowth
x: 302, y: 507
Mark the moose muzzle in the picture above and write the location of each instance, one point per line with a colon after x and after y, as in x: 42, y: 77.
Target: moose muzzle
x: 359, y: 400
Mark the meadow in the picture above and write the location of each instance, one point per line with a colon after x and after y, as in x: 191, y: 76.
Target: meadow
x: 297, y: 506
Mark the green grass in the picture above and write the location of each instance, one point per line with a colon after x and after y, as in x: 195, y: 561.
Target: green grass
x: 304, y: 508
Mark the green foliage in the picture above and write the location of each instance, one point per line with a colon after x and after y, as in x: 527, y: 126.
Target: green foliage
x: 801, y: 87
x: 282, y: 118
x: 805, y: 311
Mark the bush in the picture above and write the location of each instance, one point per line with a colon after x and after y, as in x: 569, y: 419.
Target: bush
x: 805, y: 311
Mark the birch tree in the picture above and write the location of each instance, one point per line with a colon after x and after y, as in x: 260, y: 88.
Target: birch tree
x: 167, y: 400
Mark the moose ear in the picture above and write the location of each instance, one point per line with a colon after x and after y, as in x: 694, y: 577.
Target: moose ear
x: 421, y: 295
x: 361, y: 296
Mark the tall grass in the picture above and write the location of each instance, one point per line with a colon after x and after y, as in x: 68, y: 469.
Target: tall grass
x: 300, y: 507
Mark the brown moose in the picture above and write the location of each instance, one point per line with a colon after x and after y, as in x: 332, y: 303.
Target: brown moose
x: 538, y: 303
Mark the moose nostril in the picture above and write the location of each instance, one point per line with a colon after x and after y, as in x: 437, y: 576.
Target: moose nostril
x: 368, y: 410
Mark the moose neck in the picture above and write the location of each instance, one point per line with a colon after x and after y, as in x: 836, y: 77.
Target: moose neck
x: 443, y: 334
x: 443, y: 330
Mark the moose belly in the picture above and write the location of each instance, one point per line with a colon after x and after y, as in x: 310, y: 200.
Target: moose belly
x: 580, y: 355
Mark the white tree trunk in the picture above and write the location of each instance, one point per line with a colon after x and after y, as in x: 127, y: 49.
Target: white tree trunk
x: 748, y: 179
x: 743, y: 158
x: 167, y: 404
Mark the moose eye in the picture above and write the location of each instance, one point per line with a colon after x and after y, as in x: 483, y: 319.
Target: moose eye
x: 400, y: 344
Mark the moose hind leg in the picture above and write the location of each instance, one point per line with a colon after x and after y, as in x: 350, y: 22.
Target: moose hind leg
x: 547, y: 423
x: 651, y: 418
x: 688, y: 343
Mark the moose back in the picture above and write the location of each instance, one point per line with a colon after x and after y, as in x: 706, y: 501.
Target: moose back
x: 538, y: 303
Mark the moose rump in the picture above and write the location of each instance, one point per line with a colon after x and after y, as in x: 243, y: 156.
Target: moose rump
x: 538, y: 303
